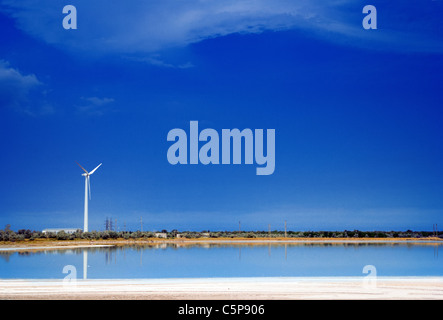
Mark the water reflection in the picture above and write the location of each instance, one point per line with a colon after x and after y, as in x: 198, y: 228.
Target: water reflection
x: 233, y: 259
x: 85, y: 264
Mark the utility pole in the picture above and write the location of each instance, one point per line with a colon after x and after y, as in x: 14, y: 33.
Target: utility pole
x: 141, y: 224
x: 269, y: 230
x: 239, y: 226
x: 285, y: 228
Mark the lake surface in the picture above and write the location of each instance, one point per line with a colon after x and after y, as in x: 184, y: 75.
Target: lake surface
x: 226, y: 260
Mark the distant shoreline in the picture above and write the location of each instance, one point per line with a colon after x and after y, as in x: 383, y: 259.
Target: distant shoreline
x: 43, y: 244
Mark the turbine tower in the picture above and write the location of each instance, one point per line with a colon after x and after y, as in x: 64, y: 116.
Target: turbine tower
x: 87, y: 192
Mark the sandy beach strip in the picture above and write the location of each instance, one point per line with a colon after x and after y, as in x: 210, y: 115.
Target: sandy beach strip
x: 413, y: 288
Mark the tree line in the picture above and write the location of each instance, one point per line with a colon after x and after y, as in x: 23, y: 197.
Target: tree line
x: 25, y: 234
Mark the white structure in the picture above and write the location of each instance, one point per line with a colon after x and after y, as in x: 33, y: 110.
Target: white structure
x: 87, y: 191
x: 161, y: 235
x: 57, y: 230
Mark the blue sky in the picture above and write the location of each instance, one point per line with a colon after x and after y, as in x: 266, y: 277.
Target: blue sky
x: 357, y: 113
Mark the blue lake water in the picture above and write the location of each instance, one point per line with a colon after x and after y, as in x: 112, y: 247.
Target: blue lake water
x: 226, y: 260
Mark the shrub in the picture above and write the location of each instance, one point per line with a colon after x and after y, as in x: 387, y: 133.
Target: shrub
x: 62, y: 235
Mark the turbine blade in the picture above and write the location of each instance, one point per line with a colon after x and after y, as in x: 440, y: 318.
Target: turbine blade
x: 89, y: 187
x: 95, y: 169
x: 82, y: 168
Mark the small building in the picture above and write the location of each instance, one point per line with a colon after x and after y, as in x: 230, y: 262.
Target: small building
x: 57, y: 230
x: 161, y: 235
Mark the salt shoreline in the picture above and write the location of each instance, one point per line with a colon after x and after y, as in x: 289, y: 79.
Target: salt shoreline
x: 401, y: 288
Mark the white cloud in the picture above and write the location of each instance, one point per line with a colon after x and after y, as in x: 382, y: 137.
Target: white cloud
x: 99, y: 101
x: 155, y: 60
x: 95, y: 106
x: 14, y: 86
x: 21, y: 92
x: 150, y: 26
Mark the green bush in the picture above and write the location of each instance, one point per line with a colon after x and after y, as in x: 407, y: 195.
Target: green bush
x: 61, y: 235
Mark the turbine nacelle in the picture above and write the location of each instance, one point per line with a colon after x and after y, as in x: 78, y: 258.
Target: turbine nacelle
x: 86, y: 172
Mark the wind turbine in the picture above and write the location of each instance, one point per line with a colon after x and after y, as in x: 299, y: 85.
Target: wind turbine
x: 87, y: 192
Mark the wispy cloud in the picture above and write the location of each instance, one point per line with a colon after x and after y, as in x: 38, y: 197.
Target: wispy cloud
x: 155, y: 60
x: 150, y: 26
x: 95, y: 106
x: 144, y: 26
x: 22, y: 92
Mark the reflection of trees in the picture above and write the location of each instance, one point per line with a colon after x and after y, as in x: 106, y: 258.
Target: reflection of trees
x: 6, y: 255
x: 110, y: 252
x: 230, y: 244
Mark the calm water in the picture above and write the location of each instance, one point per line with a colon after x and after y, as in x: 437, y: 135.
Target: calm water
x: 230, y: 260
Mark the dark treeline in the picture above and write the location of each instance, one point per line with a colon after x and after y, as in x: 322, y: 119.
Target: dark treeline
x: 25, y: 234
x: 309, y: 234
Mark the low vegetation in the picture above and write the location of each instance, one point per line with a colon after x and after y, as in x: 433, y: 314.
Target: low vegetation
x: 8, y: 235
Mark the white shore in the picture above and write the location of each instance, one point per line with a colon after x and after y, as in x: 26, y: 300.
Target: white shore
x: 227, y: 288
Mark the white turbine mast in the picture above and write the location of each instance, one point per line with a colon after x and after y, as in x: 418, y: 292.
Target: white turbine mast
x: 87, y: 193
